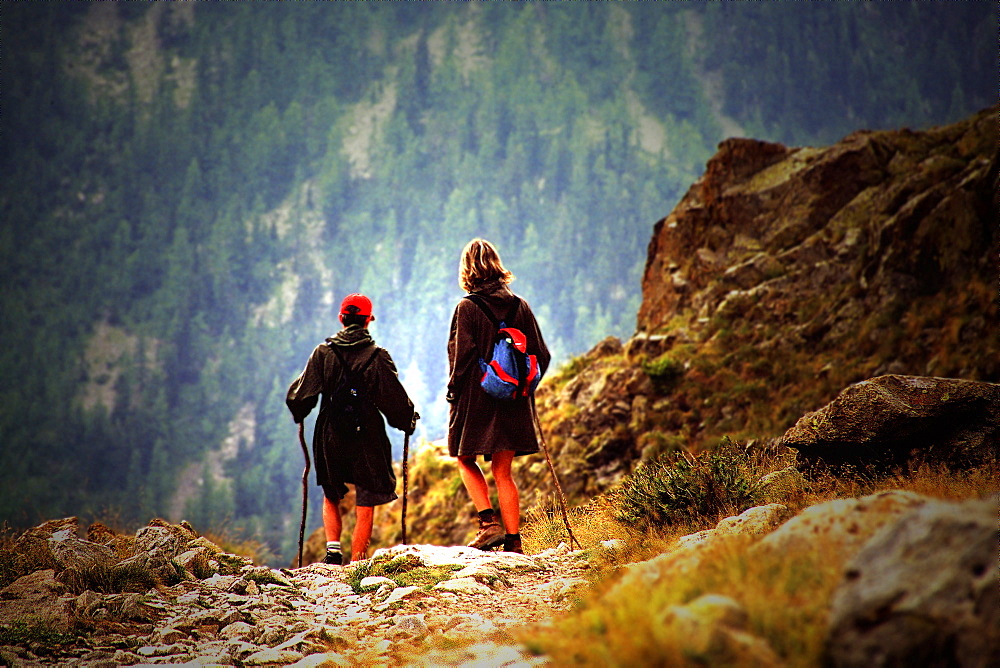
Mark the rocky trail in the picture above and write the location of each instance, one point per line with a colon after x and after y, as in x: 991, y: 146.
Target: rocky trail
x: 182, y: 600
x: 454, y: 612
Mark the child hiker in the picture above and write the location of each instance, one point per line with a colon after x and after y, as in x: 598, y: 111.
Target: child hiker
x: 358, y: 383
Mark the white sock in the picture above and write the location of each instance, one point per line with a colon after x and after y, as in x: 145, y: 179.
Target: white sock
x: 333, y: 546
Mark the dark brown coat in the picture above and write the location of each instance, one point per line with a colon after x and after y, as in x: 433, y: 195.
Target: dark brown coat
x: 364, y: 460
x: 478, y: 424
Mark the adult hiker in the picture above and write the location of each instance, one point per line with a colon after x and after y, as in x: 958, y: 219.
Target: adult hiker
x: 479, y: 424
x: 358, y: 383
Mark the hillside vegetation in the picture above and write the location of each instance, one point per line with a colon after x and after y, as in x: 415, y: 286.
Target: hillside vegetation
x: 189, y: 189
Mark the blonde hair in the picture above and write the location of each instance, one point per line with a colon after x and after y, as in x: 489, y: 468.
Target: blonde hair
x: 481, y: 263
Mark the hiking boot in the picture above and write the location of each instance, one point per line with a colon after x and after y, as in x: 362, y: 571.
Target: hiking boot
x: 490, y: 536
x: 512, y: 543
x: 335, y: 558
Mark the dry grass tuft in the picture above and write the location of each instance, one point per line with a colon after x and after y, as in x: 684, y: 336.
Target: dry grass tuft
x: 592, y: 523
x: 940, y: 482
x: 111, y: 579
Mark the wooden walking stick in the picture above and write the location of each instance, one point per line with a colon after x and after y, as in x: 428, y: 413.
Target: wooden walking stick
x: 406, y: 464
x: 305, y: 487
x: 406, y: 457
x: 555, y: 478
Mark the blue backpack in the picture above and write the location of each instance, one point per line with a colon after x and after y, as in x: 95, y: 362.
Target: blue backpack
x: 510, y: 372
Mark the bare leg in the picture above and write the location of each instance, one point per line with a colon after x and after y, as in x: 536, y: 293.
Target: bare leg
x: 332, y: 523
x: 475, y: 482
x: 362, y: 532
x: 510, y: 505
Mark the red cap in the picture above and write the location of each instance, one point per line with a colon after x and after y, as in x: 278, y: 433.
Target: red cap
x: 356, y: 304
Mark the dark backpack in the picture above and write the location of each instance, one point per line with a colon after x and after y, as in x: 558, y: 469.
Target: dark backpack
x: 510, y: 371
x: 346, y: 400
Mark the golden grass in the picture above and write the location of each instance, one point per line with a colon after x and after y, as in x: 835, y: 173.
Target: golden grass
x: 631, y: 623
x: 940, y: 482
x: 626, y: 621
x: 544, y: 527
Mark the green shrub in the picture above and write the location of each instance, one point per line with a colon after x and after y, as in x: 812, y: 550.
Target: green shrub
x: 664, y: 371
x: 674, y: 488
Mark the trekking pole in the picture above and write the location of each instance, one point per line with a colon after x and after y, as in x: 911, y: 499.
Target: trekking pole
x: 406, y: 463
x: 555, y: 478
x: 305, y: 487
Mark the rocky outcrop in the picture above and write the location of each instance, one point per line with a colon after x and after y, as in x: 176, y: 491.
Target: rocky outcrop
x: 894, y: 214
x: 783, y: 276
x: 842, y: 526
x: 892, y: 419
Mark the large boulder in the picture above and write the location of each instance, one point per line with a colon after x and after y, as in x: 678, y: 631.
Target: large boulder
x: 924, y: 591
x: 164, y: 539
x: 892, y: 419
x: 59, y: 529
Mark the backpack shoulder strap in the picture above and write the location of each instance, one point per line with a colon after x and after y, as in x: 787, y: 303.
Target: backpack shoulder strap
x: 345, y: 369
x: 368, y: 361
x: 481, y: 303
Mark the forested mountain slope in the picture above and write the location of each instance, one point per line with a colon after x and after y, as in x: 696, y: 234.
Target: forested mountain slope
x: 190, y: 188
